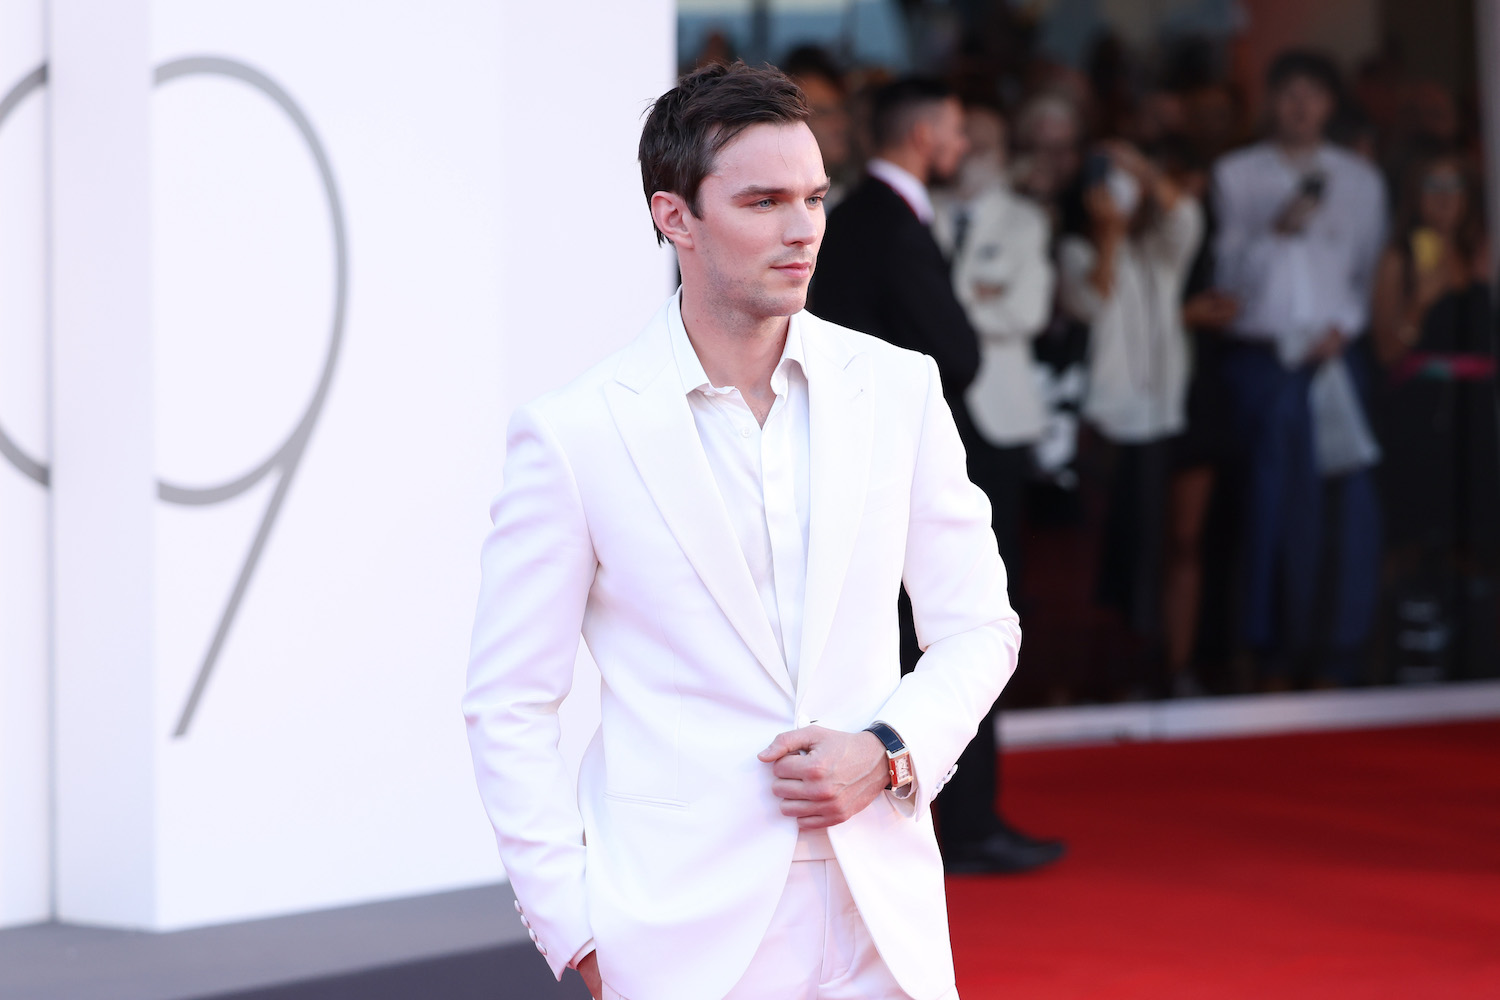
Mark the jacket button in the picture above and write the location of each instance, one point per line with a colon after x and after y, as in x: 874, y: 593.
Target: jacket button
x: 518, y: 907
x: 532, y: 933
x: 524, y: 921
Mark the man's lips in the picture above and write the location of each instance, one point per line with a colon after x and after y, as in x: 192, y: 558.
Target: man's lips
x: 799, y: 269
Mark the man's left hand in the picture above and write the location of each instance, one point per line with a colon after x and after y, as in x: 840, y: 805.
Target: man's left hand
x: 823, y: 776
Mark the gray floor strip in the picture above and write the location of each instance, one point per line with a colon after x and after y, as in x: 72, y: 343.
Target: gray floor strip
x: 454, y: 944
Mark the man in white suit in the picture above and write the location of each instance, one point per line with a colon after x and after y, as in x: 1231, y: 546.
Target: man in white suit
x: 725, y: 510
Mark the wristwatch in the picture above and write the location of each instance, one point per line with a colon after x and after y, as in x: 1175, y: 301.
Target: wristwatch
x: 896, y: 755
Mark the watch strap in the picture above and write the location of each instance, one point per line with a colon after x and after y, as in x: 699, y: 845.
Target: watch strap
x: 886, y: 735
x: 898, y: 757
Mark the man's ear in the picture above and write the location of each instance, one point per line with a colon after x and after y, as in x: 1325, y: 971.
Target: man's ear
x: 921, y: 136
x: 670, y: 212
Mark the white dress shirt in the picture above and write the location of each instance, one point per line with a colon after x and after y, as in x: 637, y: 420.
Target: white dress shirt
x: 762, y: 475
x: 762, y: 471
x: 906, y: 184
x: 1293, y: 288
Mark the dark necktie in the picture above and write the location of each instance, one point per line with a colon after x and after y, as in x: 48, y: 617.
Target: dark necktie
x: 960, y: 232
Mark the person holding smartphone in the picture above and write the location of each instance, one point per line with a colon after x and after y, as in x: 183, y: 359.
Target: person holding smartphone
x: 1434, y: 331
x: 1130, y: 234
x: 1301, y: 224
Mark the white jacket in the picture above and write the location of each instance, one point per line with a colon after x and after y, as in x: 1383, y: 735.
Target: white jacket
x: 1002, y: 275
x: 672, y: 852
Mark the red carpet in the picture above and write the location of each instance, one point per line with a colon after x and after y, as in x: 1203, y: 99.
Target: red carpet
x: 1340, y: 865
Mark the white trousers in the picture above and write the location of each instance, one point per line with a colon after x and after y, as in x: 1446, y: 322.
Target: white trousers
x: 817, y: 947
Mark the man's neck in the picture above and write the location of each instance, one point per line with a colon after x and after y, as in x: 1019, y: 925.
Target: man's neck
x: 909, y: 160
x: 735, y: 349
x: 1299, y: 150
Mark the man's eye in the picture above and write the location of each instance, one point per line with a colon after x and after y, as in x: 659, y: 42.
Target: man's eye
x: 765, y: 203
x: 815, y: 200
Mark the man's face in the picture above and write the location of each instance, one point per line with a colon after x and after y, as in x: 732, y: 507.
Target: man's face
x: 984, y: 164
x: 1300, y: 109
x: 948, y: 142
x: 1051, y: 153
x: 985, y: 131
x: 1443, y: 203
x: 760, y: 221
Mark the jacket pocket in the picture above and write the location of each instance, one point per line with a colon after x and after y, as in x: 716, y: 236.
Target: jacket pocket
x: 646, y: 800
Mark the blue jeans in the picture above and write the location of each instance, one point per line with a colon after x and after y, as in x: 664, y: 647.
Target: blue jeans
x: 1283, y: 518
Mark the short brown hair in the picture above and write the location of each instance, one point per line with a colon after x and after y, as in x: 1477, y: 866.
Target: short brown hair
x: 708, y: 109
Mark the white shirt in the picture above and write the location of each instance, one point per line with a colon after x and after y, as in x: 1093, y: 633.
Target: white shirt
x: 762, y: 475
x: 1138, y: 350
x: 906, y: 184
x: 1292, y: 288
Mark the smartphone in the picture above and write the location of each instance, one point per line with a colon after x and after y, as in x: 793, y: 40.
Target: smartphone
x: 1426, y: 249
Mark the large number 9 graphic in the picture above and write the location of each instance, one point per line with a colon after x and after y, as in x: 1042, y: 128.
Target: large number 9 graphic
x: 284, y: 460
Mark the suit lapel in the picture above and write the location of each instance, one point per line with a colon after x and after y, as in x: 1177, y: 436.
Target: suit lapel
x: 654, y: 420
x: 840, y: 436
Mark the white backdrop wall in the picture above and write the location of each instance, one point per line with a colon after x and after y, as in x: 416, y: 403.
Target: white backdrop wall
x: 25, y: 840
x: 374, y: 228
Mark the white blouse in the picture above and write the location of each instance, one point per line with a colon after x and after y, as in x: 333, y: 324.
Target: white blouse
x: 1139, y: 359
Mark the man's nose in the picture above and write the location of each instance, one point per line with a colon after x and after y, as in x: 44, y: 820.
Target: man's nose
x: 804, y: 227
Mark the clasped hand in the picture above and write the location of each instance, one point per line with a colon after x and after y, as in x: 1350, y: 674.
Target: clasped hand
x: 823, y: 776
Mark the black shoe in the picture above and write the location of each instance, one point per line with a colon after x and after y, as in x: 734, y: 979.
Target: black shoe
x: 1004, y: 853
x: 1025, y: 839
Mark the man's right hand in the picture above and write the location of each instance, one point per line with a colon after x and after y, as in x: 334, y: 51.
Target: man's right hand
x: 1210, y: 309
x: 1296, y: 214
x: 588, y: 968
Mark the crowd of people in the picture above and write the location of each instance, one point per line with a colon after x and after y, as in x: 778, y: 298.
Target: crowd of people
x: 1251, y: 362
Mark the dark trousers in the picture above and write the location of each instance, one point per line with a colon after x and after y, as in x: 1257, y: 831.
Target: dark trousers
x: 1284, y: 511
x: 967, y: 809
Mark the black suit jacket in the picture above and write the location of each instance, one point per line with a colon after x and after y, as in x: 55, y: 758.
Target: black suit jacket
x: 880, y: 272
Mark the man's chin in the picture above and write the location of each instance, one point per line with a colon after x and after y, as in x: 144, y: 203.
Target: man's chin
x: 782, y: 301
x: 792, y: 302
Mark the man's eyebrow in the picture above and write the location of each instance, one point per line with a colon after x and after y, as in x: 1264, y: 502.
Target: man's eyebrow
x: 760, y: 191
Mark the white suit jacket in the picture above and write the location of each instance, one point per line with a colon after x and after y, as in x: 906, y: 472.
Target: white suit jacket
x: 1007, y: 246
x: 671, y: 852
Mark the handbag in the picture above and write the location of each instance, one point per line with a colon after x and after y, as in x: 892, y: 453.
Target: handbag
x: 1342, y: 439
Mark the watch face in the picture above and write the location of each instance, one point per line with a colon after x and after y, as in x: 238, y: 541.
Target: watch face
x: 901, y: 770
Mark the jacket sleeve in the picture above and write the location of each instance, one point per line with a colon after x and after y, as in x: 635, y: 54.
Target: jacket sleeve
x: 1368, y: 234
x: 920, y: 287
x: 1023, y: 267
x: 537, y: 565
x: 1173, y: 241
x: 1076, y: 293
x: 969, y: 634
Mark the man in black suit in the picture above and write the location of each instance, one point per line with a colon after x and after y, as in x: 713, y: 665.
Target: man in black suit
x: 880, y: 272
